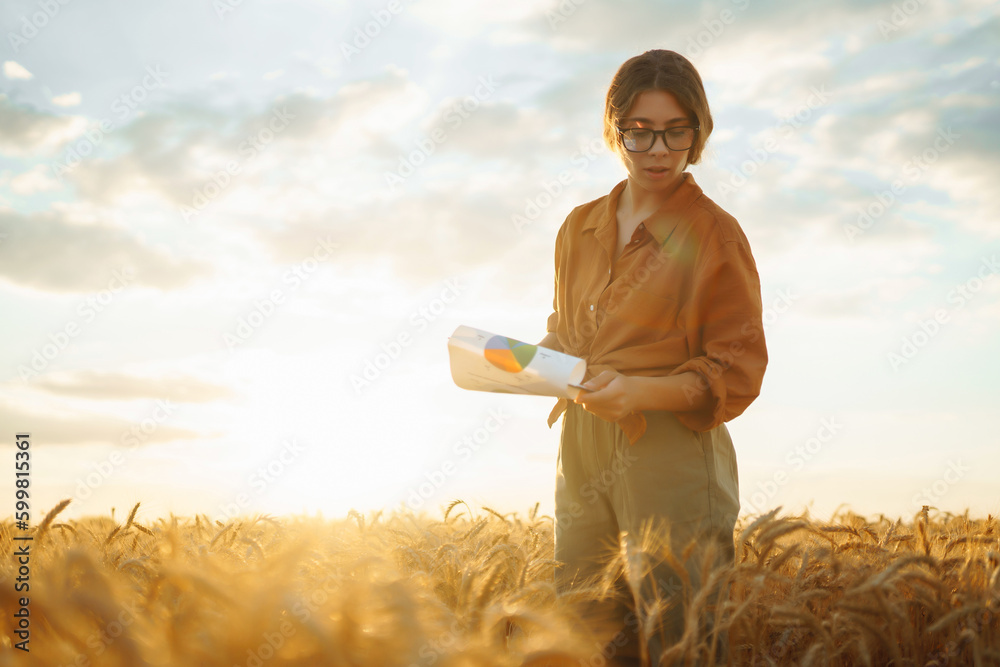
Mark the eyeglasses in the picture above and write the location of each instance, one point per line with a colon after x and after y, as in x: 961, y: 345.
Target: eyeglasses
x: 641, y: 139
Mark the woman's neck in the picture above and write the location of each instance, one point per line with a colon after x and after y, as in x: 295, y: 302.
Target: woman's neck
x: 640, y: 202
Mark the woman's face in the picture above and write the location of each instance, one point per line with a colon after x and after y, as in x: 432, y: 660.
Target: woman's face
x: 659, y: 169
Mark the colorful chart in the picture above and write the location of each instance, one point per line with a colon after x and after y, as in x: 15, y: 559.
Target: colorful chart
x: 508, y: 354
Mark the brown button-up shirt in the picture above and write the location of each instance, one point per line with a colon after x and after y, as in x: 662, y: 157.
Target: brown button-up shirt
x: 683, y: 296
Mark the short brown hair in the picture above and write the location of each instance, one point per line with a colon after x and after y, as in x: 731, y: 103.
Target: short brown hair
x: 658, y: 69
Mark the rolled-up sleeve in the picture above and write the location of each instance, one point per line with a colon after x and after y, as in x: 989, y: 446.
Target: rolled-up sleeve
x: 725, y: 331
x: 552, y: 324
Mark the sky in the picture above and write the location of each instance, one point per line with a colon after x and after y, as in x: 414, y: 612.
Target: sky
x: 236, y: 235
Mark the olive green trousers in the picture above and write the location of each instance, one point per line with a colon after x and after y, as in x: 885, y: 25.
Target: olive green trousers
x: 609, y: 494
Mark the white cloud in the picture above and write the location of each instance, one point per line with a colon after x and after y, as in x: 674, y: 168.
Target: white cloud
x: 68, y: 426
x: 45, y: 251
x: 67, y: 100
x: 14, y: 70
x: 105, y: 385
x: 474, y: 18
x: 37, y: 179
x: 25, y: 131
x: 178, y: 153
x: 951, y: 69
x: 969, y: 178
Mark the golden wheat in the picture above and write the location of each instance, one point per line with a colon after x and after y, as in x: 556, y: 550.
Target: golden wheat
x: 477, y: 589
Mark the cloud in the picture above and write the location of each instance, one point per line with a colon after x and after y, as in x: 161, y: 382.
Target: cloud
x: 26, y: 131
x: 67, y: 100
x: 37, y: 179
x: 474, y: 18
x: 854, y: 303
x: 102, y: 385
x: 46, y: 251
x: 429, y: 235
x: 14, y: 70
x: 693, y: 29
x: 81, y: 428
x: 178, y: 151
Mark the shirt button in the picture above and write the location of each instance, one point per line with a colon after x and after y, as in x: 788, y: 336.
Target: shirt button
x: 592, y: 306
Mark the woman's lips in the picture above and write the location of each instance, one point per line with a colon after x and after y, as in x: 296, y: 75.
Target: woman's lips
x: 656, y: 172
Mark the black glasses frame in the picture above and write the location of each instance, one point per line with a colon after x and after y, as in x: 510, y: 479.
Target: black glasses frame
x: 623, y: 130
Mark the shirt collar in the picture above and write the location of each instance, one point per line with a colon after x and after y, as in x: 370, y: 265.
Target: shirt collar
x: 662, y: 222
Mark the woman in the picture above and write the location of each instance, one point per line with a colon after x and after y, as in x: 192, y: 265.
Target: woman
x: 657, y: 289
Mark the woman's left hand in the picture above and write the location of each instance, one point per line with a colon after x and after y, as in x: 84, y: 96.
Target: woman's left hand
x: 610, y: 397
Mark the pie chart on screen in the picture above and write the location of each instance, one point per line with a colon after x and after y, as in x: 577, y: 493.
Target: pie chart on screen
x: 508, y: 354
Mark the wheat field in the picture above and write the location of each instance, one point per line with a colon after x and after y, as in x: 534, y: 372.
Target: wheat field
x: 473, y: 587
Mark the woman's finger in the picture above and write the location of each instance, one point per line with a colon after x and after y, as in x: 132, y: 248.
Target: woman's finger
x: 600, y: 381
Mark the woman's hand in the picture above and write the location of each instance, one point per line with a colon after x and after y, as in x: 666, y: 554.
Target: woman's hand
x: 611, y: 396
